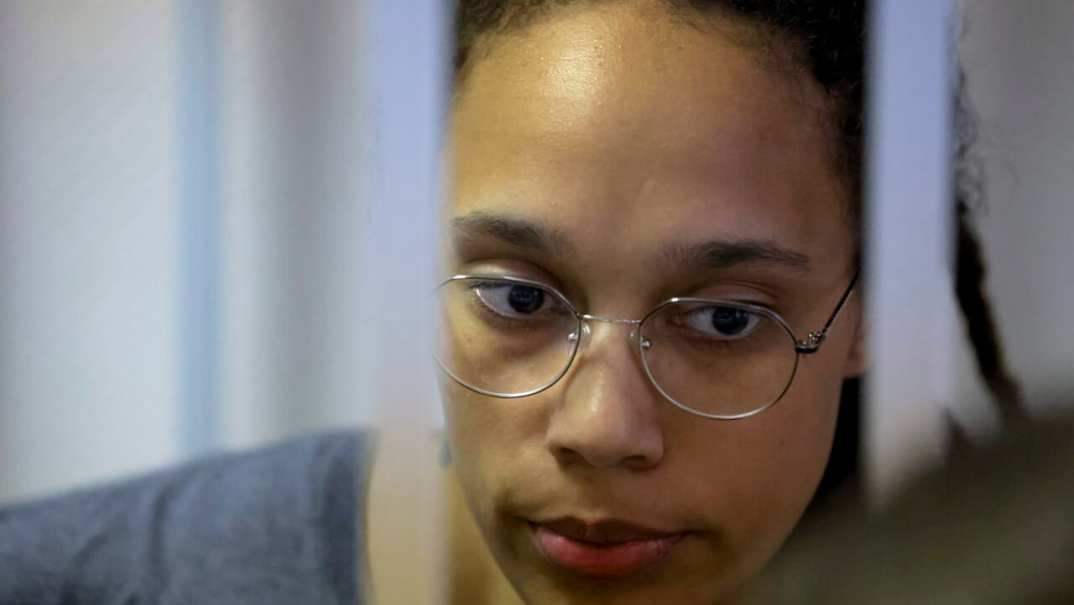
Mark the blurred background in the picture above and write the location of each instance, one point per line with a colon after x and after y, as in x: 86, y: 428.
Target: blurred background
x: 184, y: 202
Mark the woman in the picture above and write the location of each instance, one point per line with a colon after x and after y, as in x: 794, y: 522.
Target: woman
x: 621, y: 154
x: 613, y: 447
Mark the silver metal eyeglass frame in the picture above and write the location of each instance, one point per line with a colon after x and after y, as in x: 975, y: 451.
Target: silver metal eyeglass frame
x: 802, y: 346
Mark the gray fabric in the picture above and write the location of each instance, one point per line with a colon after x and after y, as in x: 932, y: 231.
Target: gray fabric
x: 275, y: 526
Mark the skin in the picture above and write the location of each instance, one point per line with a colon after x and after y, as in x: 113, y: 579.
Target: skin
x: 620, y: 132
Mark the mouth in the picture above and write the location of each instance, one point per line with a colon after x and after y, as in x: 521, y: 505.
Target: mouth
x: 607, y: 549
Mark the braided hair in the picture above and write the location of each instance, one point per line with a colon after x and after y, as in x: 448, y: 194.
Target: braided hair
x: 828, y: 39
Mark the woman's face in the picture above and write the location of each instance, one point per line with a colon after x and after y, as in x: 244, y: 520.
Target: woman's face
x: 586, y: 147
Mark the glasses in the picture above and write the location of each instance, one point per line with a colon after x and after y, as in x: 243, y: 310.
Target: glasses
x: 510, y: 338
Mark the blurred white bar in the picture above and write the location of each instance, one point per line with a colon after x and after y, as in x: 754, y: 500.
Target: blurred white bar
x: 407, y: 78
x: 293, y: 143
x: 912, y: 321
x: 198, y: 168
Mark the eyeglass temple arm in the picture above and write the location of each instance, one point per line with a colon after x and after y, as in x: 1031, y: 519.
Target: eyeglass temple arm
x: 811, y: 343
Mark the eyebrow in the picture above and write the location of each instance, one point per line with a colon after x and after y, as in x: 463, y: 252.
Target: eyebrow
x: 538, y: 237
x: 724, y: 254
x: 515, y: 231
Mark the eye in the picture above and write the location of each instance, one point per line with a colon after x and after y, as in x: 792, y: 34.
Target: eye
x: 516, y: 301
x: 723, y: 322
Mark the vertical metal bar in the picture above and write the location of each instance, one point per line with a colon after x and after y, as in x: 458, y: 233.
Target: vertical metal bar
x: 199, y: 237
x: 407, y: 75
x: 909, y: 221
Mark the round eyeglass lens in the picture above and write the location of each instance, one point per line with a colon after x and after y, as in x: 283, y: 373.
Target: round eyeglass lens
x: 718, y: 359
x: 504, y: 337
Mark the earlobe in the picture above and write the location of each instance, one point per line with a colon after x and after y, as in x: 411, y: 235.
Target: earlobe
x: 857, y: 361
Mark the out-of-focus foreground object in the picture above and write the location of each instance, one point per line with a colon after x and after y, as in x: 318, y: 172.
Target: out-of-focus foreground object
x: 408, y: 63
x: 994, y: 528
x: 908, y: 229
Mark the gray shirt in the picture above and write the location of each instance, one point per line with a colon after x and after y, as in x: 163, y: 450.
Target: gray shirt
x: 278, y: 525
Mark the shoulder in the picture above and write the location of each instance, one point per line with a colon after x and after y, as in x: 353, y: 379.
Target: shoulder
x: 274, y: 525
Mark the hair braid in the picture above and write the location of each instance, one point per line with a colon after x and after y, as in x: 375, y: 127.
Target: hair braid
x: 980, y: 322
x: 970, y: 271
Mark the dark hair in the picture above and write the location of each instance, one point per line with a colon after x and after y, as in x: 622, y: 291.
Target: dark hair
x: 829, y: 39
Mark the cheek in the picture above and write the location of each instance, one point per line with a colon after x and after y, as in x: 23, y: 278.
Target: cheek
x: 770, y: 466
x: 489, y: 438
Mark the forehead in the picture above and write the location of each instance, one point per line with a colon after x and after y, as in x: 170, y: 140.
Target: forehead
x: 621, y: 113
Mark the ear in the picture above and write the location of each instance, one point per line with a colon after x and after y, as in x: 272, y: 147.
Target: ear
x: 857, y: 361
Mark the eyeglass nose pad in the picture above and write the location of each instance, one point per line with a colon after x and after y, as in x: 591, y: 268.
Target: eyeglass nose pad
x: 634, y: 337
x: 637, y: 338
x: 574, y: 337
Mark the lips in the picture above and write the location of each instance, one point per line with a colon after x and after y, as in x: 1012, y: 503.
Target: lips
x: 603, y: 550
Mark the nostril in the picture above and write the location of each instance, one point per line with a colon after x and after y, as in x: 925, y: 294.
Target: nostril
x: 638, y: 462
x: 567, y: 456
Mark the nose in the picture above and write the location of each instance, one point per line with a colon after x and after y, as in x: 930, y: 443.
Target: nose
x: 608, y: 415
